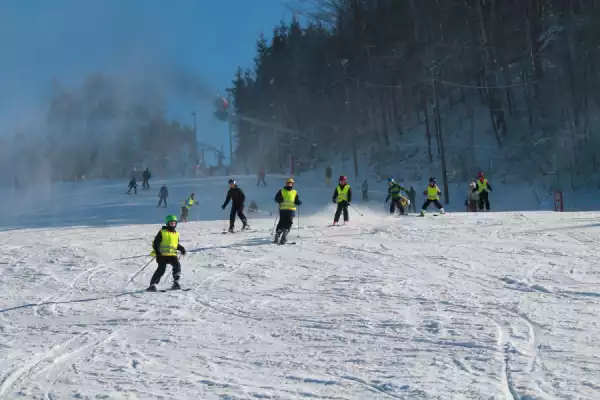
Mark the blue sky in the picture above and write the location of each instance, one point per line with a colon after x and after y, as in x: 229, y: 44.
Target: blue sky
x: 42, y: 40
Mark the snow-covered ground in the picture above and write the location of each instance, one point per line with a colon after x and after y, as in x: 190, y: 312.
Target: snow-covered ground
x: 461, y: 306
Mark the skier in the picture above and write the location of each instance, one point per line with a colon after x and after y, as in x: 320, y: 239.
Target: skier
x: 483, y: 189
x: 398, y: 200
x: 237, y: 197
x: 146, y: 175
x: 342, y: 195
x: 165, y: 245
x: 288, y: 200
x: 328, y: 174
x: 187, y: 204
x: 163, y: 194
x: 132, y: 185
x: 472, y: 198
x: 412, y: 195
x: 433, y: 193
x: 261, y: 178
x: 365, y: 190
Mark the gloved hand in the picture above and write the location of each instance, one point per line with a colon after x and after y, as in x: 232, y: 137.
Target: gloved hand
x: 222, y: 207
x: 348, y: 204
x: 299, y: 203
x: 158, y: 254
x: 183, y: 251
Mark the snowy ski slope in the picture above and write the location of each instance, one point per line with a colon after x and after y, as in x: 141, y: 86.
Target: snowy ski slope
x: 461, y: 306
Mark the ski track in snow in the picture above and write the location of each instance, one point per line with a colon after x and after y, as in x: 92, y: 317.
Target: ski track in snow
x: 498, y: 305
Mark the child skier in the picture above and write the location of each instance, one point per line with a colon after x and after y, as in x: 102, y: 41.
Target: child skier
x: 398, y: 200
x: 483, y: 188
x: 365, y: 190
x: 132, y: 185
x: 165, y: 245
x: 472, y: 198
x: 187, y: 204
x: 342, y: 195
x: 237, y: 198
x: 433, y: 193
x: 288, y: 200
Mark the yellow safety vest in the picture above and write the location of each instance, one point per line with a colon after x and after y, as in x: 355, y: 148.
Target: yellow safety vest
x: 168, y: 243
x: 481, y: 186
x: 432, y: 192
x: 289, y: 196
x: 189, y: 202
x: 342, y: 194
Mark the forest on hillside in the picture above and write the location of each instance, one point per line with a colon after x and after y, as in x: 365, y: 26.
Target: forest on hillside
x: 364, y: 72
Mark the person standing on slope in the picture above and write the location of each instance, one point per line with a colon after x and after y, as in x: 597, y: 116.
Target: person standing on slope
x: 261, y: 178
x: 342, y: 195
x: 146, y: 175
x: 237, y: 198
x: 163, y: 194
x: 472, y: 198
x: 165, y: 245
x: 288, y: 201
x: 483, y: 188
x: 328, y: 175
x: 433, y: 193
x: 398, y: 200
x: 365, y: 190
x: 187, y: 204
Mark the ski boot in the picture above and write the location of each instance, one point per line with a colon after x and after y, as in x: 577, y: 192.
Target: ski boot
x: 284, y: 236
x: 231, y: 229
x: 176, y: 285
x: 277, y: 235
x: 245, y: 227
x: 152, y: 288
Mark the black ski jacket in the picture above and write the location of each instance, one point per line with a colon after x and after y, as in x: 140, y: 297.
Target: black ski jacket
x: 236, y: 196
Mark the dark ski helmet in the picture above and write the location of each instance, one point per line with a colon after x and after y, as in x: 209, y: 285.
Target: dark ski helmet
x: 231, y: 182
x: 432, y: 180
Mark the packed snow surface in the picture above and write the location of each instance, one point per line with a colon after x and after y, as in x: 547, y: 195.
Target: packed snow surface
x: 459, y: 306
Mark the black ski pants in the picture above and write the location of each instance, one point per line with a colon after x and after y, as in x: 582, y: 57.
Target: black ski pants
x: 396, y: 203
x: 145, y: 184
x: 261, y: 180
x: 134, y: 189
x: 163, y: 261
x: 286, y: 219
x: 161, y: 200
x: 239, y: 211
x: 435, y: 202
x: 365, y: 195
x: 184, y: 213
x: 341, y: 207
x: 484, y: 200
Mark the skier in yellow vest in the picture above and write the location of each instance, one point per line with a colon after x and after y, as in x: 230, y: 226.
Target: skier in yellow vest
x: 288, y: 201
x: 433, y: 193
x: 483, y: 189
x: 165, y: 247
x: 342, y: 195
x: 187, y: 204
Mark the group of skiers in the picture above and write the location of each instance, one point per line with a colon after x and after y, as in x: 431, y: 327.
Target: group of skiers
x: 166, y: 243
x: 146, y: 175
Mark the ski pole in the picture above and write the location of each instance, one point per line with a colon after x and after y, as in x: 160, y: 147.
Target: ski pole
x: 359, y: 213
x: 137, y: 273
x: 274, y: 224
x: 298, y: 222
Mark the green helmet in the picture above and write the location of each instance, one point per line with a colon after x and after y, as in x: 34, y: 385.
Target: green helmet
x: 170, y: 218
